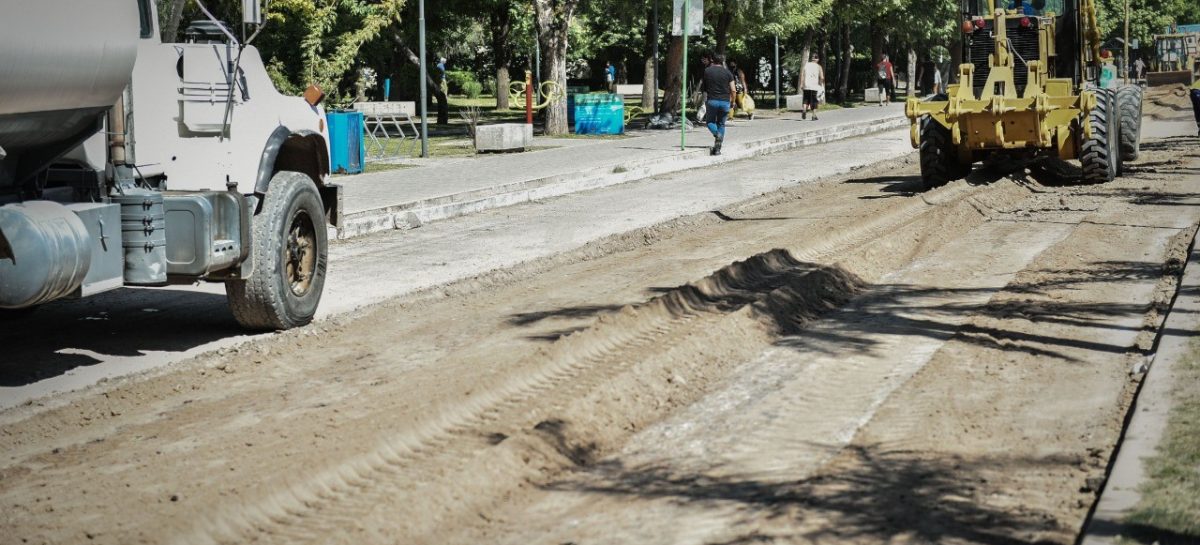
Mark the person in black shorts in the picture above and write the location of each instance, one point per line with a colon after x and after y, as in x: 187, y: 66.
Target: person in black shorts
x: 812, y: 80
x: 719, y: 90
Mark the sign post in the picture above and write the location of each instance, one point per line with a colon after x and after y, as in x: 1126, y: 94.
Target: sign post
x: 687, y: 4
x: 683, y: 25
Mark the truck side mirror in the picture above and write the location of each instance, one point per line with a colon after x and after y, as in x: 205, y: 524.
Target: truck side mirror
x: 252, y: 12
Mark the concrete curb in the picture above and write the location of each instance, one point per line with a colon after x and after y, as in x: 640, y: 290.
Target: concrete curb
x: 1150, y: 411
x: 414, y: 214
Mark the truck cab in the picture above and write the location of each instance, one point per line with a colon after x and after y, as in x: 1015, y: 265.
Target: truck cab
x: 132, y: 162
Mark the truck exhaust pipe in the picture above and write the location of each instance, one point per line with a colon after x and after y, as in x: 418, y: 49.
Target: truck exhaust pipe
x: 116, y: 132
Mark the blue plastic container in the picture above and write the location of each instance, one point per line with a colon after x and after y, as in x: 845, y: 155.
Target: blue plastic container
x: 347, y: 150
x: 596, y: 113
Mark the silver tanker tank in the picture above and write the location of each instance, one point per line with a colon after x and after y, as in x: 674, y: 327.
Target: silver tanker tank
x: 62, y: 64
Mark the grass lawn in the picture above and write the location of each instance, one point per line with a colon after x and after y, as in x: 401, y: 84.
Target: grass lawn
x: 382, y: 167
x: 1169, y: 510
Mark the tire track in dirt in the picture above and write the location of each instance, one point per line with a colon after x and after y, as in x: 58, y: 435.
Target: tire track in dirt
x: 814, y: 383
x: 317, y: 507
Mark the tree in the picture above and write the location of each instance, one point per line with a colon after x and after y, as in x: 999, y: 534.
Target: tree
x: 330, y: 35
x: 500, y: 17
x: 554, y: 22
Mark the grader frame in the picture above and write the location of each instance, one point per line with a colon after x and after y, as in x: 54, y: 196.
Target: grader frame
x: 1023, y: 97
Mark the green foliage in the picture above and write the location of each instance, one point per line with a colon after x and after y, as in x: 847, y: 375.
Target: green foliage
x: 458, y: 80
x: 330, y: 34
x: 1146, y: 18
x: 472, y: 89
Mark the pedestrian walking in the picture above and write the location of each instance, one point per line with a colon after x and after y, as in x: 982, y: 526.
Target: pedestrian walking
x: 610, y: 76
x: 886, y: 80
x: 719, y: 90
x: 1196, y: 103
x: 937, y: 80
x: 1139, y: 69
x: 813, y: 83
x: 740, y: 101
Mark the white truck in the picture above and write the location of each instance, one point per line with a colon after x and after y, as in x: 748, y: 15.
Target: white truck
x: 125, y: 161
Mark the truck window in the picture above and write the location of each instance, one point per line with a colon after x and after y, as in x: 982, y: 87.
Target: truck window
x: 145, y: 14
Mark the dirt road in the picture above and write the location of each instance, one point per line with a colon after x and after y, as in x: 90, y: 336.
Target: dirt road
x: 843, y: 362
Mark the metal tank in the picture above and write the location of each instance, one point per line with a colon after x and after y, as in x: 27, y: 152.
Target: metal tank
x: 62, y: 64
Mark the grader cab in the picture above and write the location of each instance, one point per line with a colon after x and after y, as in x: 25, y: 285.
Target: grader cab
x: 1029, y: 85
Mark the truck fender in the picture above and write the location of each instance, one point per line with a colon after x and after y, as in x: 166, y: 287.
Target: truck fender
x: 299, y: 151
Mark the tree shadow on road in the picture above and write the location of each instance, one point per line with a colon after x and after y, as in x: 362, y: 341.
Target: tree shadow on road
x: 867, y: 494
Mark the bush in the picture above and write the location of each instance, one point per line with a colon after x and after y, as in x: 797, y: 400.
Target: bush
x: 489, y: 86
x: 456, y: 81
x: 472, y: 89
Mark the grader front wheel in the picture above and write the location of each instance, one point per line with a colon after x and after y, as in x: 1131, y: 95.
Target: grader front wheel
x: 1101, y: 155
x: 939, y: 160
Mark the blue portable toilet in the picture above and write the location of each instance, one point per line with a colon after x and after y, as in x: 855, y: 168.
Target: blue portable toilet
x: 597, y: 113
x: 347, y: 150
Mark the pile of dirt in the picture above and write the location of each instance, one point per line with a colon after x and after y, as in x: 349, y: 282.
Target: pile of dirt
x: 1168, y: 102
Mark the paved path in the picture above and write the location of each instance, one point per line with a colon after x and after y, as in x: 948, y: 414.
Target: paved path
x: 439, y: 190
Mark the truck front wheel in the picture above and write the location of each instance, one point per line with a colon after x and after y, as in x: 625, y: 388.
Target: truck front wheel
x: 290, y: 250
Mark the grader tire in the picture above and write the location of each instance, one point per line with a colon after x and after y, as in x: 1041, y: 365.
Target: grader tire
x: 1129, y: 103
x: 939, y: 160
x: 1101, y: 156
x: 290, y: 250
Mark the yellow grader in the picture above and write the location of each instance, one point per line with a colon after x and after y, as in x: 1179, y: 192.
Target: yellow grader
x: 1029, y: 85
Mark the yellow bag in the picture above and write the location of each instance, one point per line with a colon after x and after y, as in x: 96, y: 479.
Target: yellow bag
x: 748, y: 103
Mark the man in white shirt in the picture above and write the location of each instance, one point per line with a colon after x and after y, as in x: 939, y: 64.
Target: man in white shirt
x: 813, y: 82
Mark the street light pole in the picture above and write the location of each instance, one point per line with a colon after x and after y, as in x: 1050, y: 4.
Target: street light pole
x: 687, y: 6
x: 777, y: 71
x: 424, y: 80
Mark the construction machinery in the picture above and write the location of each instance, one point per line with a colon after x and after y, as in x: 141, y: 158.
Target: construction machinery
x: 1176, y: 59
x: 1029, y: 86
x: 125, y: 161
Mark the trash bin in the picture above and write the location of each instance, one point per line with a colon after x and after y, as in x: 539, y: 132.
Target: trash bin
x: 597, y: 113
x: 347, y: 151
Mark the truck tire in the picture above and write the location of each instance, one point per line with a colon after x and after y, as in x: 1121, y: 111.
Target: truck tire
x: 1129, y: 102
x: 1100, y: 155
x: 290, y: 249
x: 939, y: 160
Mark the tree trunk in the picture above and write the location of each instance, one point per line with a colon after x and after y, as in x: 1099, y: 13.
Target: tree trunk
x: 805, y: 54
x: 554, y: 20
x: 956, y: 57
x: 649, y: 92
x: 912, y: 71
x: 674, y: 77
x: 170, y: 32
x: 503, y: 82
x: 847, y: 56
x: 501, y: 29
x: 724, y: 23
x: 443, y: 106
x: 877, y: 39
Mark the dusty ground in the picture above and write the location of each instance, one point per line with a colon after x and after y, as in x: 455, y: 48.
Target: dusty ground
x: 844, y: 362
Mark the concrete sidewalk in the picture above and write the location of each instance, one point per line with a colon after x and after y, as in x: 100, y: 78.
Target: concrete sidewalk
x: 409, y: 197
x: 1151, y: 410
